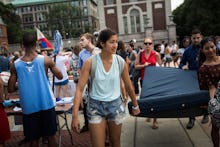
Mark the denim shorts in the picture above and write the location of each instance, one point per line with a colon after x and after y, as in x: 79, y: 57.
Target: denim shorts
x: 110, y: 111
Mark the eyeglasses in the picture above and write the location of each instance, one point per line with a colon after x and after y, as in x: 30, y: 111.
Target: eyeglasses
x: 147, y: 43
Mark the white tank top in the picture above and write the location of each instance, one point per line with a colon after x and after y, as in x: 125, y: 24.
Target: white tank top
x: 106, y: 85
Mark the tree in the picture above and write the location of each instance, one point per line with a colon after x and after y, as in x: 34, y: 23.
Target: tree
x: 12, y: 21
x: 201, y: 14
x: 65, y: 18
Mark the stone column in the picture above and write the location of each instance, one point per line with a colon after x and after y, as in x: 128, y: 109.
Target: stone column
x: 171, y: 32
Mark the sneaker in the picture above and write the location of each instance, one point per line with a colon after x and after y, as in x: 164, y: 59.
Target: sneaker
x: 190, y: 123
x: 205, y: 119
x: 85, y: 128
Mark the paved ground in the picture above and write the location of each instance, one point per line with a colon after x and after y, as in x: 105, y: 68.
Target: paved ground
x: 79, y: 140
x: 171, y: 133
x: 137, y: 132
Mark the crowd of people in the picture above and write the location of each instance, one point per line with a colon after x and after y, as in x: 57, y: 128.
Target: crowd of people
x: 106, y: 72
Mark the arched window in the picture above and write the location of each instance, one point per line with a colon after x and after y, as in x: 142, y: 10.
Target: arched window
x: 135, y: 21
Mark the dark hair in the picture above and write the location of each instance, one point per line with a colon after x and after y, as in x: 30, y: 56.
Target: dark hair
x: 76, y: 49
x: 104, y: 36
x: 121, y: 45
x: 202, y: 56
x: 131, y: 43
x: 217, y: 38
x: 185, y: 38
x: 29, y: 39
x: 195, y: 31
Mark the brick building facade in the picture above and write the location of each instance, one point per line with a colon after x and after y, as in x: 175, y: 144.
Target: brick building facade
x: 3, y: 33
x: 138, y: 19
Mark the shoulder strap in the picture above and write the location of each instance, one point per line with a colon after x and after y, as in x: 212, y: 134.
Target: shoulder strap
x: 94, y: 64
x: 92, y: 71
x: 120, y: 63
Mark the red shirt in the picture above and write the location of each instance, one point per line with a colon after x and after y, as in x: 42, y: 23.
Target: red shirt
x: 151, y: 59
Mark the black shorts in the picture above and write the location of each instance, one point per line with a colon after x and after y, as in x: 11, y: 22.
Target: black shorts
x: 39, y: 124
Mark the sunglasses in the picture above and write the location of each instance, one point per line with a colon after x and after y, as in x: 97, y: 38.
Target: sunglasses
x: 147, y: 43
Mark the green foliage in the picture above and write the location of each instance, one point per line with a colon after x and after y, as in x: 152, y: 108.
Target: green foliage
x: 65, y: 18
x: 12, y: 21
x: 201, y: 14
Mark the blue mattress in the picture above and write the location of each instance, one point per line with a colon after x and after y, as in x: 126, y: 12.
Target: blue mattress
x: 171, y: 93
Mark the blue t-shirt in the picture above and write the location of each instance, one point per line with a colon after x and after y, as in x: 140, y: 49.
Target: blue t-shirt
x: 83, y: 55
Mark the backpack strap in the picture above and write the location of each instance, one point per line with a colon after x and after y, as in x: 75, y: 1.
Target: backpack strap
x: 120, y: 63
x: 92, y: 71
x: 94, y: 64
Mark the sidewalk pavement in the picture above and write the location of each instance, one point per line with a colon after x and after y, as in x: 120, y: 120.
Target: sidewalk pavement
x: 136, y: 132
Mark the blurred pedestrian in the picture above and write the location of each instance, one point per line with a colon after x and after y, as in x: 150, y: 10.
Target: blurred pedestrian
x: 148, y: 57
x: 61, y: 85
x: 209, y: 78
x: 162, y: 49
x: 88, y: 49
x: 217, y: 43
x: 174, y: 55
x: 4, y: 127
x: 4, y: 69
x: 185, y: 43
x: 189, y: 61
x: 167, y: 57
x: 121, y: 51
x: 74, y: 62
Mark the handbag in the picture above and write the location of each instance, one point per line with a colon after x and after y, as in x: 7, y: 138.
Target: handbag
x: 214, y: 107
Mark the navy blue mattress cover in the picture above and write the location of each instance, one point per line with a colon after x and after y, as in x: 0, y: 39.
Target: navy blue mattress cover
x: 171, y: 93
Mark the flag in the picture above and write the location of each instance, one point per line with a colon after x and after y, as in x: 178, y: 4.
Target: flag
x: 57, y: 42
x: 44, y: 43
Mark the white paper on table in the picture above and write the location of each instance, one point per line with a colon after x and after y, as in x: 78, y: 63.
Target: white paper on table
x: 17, y: 108
x: 65, y: 100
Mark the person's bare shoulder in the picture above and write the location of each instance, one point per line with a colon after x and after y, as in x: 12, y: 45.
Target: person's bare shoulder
x: 47, y: 60
x: 88, y: 62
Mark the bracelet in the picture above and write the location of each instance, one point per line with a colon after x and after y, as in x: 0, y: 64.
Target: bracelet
x: 135, y: 107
